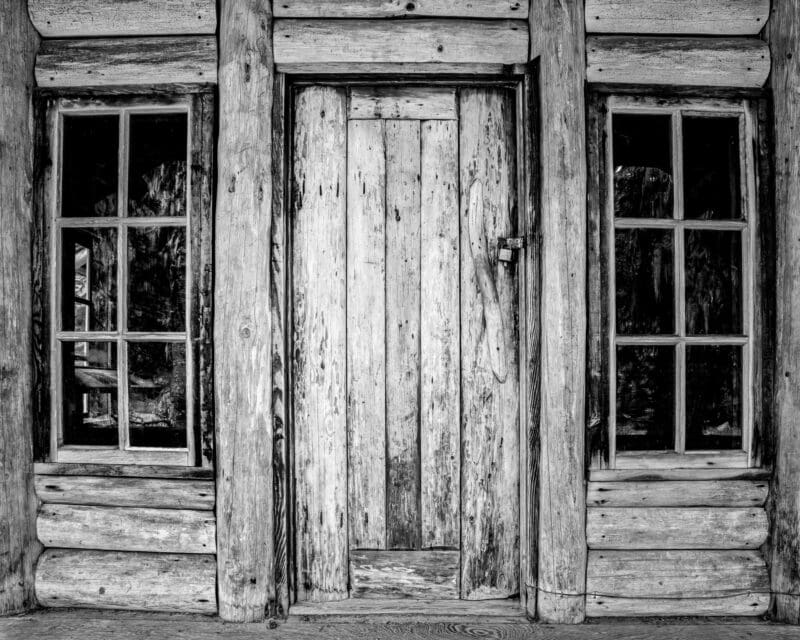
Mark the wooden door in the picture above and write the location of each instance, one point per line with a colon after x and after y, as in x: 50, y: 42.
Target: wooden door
x: 405, y: 344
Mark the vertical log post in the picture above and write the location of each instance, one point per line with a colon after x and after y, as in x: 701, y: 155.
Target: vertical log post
x: 557, y: 43
x: 784, y: 504
x: 18, y: 545
x: 242, y: 351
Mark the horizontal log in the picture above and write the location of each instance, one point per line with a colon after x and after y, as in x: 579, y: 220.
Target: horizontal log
x: 403, y: 607
x: 745, y: 604
x: 103, y: 18
x: 377, y: 41
x: 715, y: 493
x: 400, y: 68
x: 676, y: 528
x: 395, y: 8
x: 124, y: 580
x: 650, y: 475
x: 122, y: 470
x: 410, y: 103
x: 127, y: 61
x: 697, y: 17
x: 126, y: 529
x: 404, y: 574
x: 697, y: 62
x: 126, y: 492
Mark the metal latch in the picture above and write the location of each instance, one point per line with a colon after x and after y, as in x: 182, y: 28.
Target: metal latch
x: 507, y: 248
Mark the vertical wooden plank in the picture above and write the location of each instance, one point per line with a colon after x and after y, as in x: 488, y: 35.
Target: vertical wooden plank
x: 402, y: 333
x: 366, y: 331
x: 242, y: 334
x: 490, y: 408
x: 440, y: 410
x: 558, y: 46
x: 18, y: 546
x: 319, y: 296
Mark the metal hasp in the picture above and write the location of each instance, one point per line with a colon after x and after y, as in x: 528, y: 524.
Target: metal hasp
x: 507, y: 248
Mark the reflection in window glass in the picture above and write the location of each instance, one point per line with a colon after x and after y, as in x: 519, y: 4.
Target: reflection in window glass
x: 89, y: 166
x: 157, y: 394
x: 713, y: 397
x: 645, y: 398
x: 90, y: 393
x: 642, y: 166
x: 89, y: 279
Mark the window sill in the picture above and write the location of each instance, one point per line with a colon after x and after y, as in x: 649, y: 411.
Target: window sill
x: 122, y: 471
x: 113, y: 455
x: 671, y: 460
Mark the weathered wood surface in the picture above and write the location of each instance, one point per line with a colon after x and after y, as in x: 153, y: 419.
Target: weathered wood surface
x: 739, y: 604
x: 366, y: 333
x: 695, y: 17
x: 412, y: 103
x: 242, y: 327
x: 103, y: 18
x: 490, y: 405
x: 105, y: 62
x: 397, y: 8
x: 122, y: 471
x: 124, y: 580
x: 126, y: 492
x: 440, y: 410
x: 319, y: 321
x: 428, y: 40
x: 659, y: 475
x: 404, y: 574
x: 408, y: 608
x: 18, y: 546
x: 676, y: 528
x: 402, y: 296
x: 126, y: 529
x: 557, y: 40
x: 697, y: 62
x: 721, y: 493
x: 442, y: 69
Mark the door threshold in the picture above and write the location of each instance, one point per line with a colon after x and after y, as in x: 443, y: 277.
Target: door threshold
x: 506, y: 608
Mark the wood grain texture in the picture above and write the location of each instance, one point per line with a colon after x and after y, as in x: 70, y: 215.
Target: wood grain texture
x: 126, y: 492
x: 18, y: 546
x: 366, y: 333
x: 319, y: 347
x: 402, y: 295
x: 126, y: 529
x: 440, y: 410
x: 406, y: 609
x: 676, y: 528
x: 106, y: 62
x: 557, y: 41
x: 397, y: 8
x: 695, y: 17
x: 103, y: 18
x: 242, y: 327
x: 411, y: 103
x: 124, y: 580
x: 720, y: 493
x: 696, y: 62
x: 426, y: 40
x: 122, y: 471
x: 490, y: 407
x: 404, y: 574
x: 334, y: 70
x: 739, y: 604
x: 659, y: 475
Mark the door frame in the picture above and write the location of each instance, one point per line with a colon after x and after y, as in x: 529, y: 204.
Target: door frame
x: 522, y: 81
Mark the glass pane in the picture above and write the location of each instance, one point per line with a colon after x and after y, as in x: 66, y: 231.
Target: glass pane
x: 711, y: 168
x: 713, y: 282
x: 713, y: 397
x: 89, y: 166
x: 89, y: 280
x: 157, y: 173
x: 644, y: 281
x: 90, y: 393
x: 642, y: 166
x: 157, y: 279
x: 157, y: 394
x: 645, y: 398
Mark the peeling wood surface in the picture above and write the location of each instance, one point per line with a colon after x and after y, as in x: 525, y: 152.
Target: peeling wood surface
x: 411, y: 103
x: 731, y: 493
x: 398, y: 8
x: 404, y: 574
x: 106, y: 62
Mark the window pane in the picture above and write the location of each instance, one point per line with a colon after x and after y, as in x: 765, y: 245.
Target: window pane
x: 711, y: 168
x: 713, y: 397
x: 89, y: 280
x: 157, y: 279
x: 157, y: 172
x: 157, y: 394
x: 90, y: 393
x: 89, y: 166
x: 644, y: 281
x: 645, y: 398
x: 713, y: 282
x: 642, y: 166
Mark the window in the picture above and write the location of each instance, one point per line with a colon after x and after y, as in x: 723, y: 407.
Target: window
x: 680, y: 224
x: 128, y: 246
